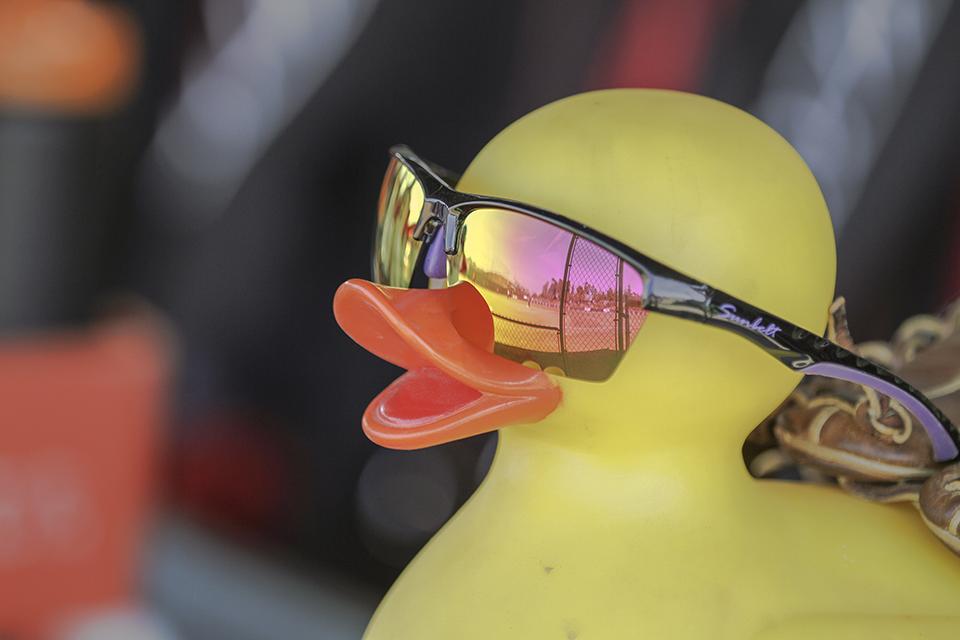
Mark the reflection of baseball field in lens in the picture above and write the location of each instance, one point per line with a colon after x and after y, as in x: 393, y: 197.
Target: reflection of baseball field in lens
x: 398, y: 210
x: 557, y: 299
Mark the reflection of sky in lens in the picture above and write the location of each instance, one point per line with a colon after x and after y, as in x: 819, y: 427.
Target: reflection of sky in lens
x: 522, y: 249
x: 531, y: 253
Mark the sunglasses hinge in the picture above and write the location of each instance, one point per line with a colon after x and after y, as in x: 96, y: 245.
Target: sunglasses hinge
x: 433, y: 214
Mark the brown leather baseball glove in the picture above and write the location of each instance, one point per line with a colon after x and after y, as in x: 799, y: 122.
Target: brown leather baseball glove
x: 834, y: 431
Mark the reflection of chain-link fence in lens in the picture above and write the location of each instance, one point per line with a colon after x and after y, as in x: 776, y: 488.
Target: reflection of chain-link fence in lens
x: 524, y: 335
x: 580, y: 322
x: 633, y: 318
x: 591, y: 304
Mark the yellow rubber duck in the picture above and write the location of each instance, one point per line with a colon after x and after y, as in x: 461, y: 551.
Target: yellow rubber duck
x: 625, y: 509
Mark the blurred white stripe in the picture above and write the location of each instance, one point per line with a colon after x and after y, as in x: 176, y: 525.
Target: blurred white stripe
x: 209, y: 589
x: 264, y: 59
x: 837, y: 84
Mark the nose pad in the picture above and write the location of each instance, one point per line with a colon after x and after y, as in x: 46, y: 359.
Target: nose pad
x: 435, y: 262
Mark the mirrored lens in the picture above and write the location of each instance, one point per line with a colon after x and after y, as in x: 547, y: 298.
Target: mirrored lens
x: 558, y: 300
x: 398, y: 210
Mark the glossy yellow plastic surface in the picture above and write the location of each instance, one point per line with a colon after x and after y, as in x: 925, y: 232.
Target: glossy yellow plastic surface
x: 628, y: 512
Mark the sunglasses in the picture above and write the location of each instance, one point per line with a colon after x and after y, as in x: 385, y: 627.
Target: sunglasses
x: 572, y: 300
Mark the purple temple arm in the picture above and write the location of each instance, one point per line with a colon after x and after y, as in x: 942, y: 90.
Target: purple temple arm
x: 943, y: 446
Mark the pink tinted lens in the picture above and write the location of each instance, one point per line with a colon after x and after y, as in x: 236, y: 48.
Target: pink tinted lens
x: 558, y: 300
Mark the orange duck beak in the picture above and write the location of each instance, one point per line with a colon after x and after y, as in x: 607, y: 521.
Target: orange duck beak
x: 454, y: 386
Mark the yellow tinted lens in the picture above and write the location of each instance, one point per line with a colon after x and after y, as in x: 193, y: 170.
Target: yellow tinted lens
x: 559, y: 301
x: 398, y: 210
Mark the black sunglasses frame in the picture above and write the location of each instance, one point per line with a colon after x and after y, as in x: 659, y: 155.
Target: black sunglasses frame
x: 672, y: 293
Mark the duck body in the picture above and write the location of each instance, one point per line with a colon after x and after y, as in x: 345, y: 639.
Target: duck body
x: 627, y: 512
x: 558, y: 545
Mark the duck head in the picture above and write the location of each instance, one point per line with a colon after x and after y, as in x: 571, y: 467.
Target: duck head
x: 696, y: 184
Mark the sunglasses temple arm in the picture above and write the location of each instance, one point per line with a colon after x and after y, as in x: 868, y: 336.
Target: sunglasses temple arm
x: 804, y: 352
x: 936, y: 425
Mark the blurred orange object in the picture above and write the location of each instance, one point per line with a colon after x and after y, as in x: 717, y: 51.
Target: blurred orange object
x: 79, y: 417
x: 66, y: 55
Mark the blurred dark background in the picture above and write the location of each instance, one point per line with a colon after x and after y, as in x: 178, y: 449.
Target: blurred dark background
x: 229, y: 177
